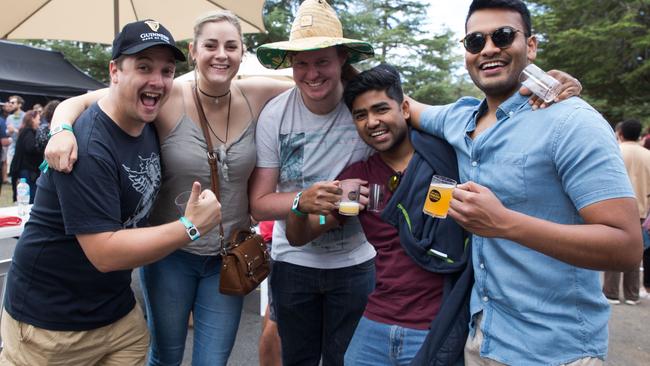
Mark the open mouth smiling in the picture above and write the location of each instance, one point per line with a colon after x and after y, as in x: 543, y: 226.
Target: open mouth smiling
x: 150, y: 99
x: 490, y: 65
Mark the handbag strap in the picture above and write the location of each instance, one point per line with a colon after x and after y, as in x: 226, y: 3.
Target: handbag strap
x: 212, y: 159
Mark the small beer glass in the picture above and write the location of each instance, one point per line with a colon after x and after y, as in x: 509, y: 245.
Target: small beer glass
x: 436, y: 204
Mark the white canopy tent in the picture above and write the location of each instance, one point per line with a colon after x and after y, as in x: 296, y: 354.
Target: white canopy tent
x: 100, y: 20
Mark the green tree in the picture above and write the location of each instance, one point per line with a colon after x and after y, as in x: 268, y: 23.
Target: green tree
x: 605, y: 44
x: 396, y: 29
x: 93, y: 58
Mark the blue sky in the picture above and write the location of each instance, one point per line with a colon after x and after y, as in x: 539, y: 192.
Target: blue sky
x: 450, y: 14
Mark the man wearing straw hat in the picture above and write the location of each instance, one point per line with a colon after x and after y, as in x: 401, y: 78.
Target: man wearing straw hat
x: 305, y: 137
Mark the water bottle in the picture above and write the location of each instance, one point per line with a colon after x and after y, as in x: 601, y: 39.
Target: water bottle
x: 22, y: 197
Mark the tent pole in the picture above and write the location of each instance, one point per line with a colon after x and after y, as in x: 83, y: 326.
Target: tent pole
x: 116, y: 17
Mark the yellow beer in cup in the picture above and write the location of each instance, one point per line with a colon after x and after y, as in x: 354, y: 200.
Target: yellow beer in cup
x: 436, y: 203
x: 349, y: 208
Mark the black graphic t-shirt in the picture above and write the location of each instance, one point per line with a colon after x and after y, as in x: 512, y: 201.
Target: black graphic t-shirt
x: 51, y: 283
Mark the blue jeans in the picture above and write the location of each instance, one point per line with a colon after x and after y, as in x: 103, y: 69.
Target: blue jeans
x: 377, y: 343
x: 174, y: 286
x: 317, y: 310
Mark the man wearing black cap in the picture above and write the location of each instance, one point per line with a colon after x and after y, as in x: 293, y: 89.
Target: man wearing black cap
x: 68, y: 299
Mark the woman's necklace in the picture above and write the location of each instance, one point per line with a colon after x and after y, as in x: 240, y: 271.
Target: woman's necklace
x: 215, y: 97
x: 227, y: 119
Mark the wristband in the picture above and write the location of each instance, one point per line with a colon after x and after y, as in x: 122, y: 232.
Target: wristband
x: 60, y: 128
x: 44, y: 167
x: 294, y: 206
x: 191, y: 230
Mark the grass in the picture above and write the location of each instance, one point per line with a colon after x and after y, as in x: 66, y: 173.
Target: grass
x: 5, y: 196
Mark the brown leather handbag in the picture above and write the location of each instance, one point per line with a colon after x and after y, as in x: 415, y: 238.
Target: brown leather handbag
x: 245, y: 260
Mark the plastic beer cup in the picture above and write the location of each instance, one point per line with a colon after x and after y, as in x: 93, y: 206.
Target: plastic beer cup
x: 181, y: 201
x: 539, y: 82
x: 349, y: 204
x: 436, y: 203
x: 376, y: 197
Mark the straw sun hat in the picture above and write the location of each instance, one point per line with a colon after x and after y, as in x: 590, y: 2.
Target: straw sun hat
x: 316, y: 27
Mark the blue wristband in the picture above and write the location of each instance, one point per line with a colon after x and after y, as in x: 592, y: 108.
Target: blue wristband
x: 191, y: 230
x: 44, y: 166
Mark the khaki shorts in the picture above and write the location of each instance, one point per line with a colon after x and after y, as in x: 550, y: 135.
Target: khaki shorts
x: 124, y: 342
x: 473, y: 352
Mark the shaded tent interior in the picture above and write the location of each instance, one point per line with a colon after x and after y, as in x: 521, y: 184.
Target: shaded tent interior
x: 40, y: 75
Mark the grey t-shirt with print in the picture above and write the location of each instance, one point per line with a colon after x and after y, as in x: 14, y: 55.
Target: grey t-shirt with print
x: 308, y: 148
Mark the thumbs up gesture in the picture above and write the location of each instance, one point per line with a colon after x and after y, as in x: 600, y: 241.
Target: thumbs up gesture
x: 203, y: 209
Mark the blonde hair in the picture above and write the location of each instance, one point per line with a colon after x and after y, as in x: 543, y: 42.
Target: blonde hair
x: 217, y: 16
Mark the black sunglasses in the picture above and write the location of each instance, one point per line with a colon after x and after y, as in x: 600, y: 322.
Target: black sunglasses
x: 501, y: 37
x: 393, y: 181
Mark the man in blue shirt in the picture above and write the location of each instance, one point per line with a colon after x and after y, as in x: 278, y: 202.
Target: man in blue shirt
x: 546, y: 196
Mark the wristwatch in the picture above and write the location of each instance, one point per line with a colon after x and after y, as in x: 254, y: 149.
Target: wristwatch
x: 191, y: 230
x: 294, y: 206
x: 60, y: 128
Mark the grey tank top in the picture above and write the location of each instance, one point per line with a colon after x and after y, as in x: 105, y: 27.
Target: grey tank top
x: 184, y: 161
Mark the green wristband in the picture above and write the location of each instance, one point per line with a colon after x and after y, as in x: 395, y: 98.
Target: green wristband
x: 294, y: 206
x: 61, y: 128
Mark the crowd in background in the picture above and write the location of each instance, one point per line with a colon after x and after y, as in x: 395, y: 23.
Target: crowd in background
x: 23, y: 136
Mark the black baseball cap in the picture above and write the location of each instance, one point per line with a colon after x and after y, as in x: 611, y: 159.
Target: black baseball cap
x: 138, y: 36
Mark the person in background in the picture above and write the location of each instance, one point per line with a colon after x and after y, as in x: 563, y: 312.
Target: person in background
x: 13, y: 122
x: 37, y: 108
x: 4, y: 142
x: 68, y: 299
x: 637, y: 164
x: 43, y: 131
x: 646, y: 138
x: 645, y: 290
x: 27, y: 156
x: 14, y: 119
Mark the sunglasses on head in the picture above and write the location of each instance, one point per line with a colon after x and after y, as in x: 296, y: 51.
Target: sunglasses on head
x: 501, y: 37
x: 393, y: 181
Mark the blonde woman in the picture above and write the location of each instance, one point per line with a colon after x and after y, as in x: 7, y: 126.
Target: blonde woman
x: 188, y: 279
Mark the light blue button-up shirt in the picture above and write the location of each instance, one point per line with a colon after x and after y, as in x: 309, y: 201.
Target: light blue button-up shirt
x: 548, y: 164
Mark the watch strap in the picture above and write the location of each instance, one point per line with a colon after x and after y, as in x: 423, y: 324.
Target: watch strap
x: 190, y: 228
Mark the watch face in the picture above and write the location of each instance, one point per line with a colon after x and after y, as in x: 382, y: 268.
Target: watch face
x: 193, y: 231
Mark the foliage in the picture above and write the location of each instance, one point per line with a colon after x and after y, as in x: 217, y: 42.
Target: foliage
x: 93, y: 58
x: 396, y: 29
x: 606, y: 45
